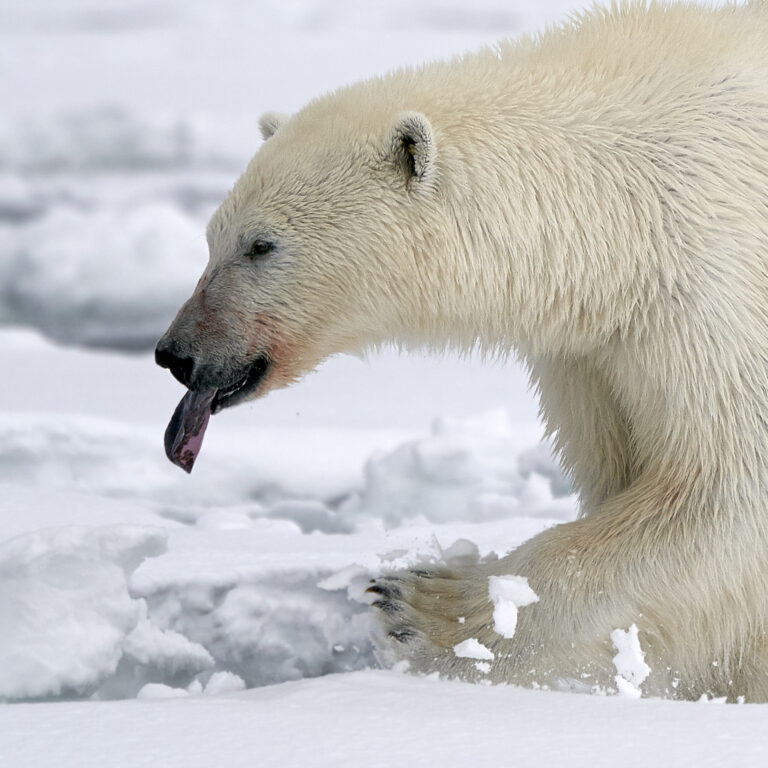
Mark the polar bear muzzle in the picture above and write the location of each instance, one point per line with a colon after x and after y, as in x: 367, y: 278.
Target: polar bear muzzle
x: 186, y: 429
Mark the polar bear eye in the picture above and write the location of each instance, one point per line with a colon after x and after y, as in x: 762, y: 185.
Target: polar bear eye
x: 260, y: 248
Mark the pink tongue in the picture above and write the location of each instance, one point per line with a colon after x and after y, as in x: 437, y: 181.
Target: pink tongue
x: 184, y: 435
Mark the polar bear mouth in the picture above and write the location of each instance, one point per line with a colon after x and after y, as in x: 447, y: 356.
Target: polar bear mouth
x: 239, y: 391
x: 185, y: 431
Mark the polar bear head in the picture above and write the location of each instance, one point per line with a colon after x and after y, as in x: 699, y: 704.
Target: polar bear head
x: 322, y: 246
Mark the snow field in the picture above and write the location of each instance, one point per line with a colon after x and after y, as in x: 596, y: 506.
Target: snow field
x: 378, y: 719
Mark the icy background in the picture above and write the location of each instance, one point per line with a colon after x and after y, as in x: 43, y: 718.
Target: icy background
x: 146, y: 616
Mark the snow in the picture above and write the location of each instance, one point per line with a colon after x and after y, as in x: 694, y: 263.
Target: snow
x: 66, y: 612
x: 222, y: 618
x: 508, y: 593
x: 379, y: 719
x: 472, y: 648
x: 223, y: 682
x: 84, y: 275
x: 476, y: 469
x: 631, y: 669
x: 159, y: 691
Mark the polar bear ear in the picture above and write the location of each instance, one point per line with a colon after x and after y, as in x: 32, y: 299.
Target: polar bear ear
x: 412, y: 147
x: 270, y: 122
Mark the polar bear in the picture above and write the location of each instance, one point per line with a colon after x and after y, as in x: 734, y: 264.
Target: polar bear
x: 595, y: 200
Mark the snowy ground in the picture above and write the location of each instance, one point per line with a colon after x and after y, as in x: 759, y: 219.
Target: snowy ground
x: 218, y: 619
x: 383, y: 719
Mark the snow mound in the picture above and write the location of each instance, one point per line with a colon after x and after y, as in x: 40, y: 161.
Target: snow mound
x: 102, y: 218
x: 65, y: 608
x: 223, y: 682
x: 476, y: 469
x: 159, y: 692
x: 264, y: 627
x: 396, y: 488
x: 105, y: 277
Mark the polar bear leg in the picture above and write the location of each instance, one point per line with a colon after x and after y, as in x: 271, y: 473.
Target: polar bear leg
x: 601, y: 573
x: 590, y: 433
x: 426, y: 614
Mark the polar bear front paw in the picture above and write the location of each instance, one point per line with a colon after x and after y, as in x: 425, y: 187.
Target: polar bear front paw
x: 439, y: 621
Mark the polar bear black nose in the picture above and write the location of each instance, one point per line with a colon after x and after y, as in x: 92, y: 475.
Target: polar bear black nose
x: 180, y: 367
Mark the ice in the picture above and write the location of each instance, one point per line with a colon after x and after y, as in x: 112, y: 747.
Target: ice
x: 631, y: 669
x: 461, y: 553
x: 472, y: 648
x: 508, y: 593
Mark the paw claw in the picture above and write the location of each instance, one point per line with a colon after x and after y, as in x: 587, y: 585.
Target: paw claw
x: 387, y: 606
x: 385, y: 590
x: 401, y: 635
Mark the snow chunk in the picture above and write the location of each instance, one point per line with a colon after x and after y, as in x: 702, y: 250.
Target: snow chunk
x: 65, y: 607
x: 626, y: 689
x: 472, y: 649
x: 354, y: 578
x: 165, y: 649
x: 629, y: 662
x: 704, y: 699
x: 508, y: 593
x: 343, y: 578
x: 224, y: 682
x: 159, y: 691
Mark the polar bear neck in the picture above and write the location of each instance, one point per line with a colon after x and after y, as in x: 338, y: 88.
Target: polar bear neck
x: 583, y: 225
x: 569, y: 208
x: 555, y: 231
